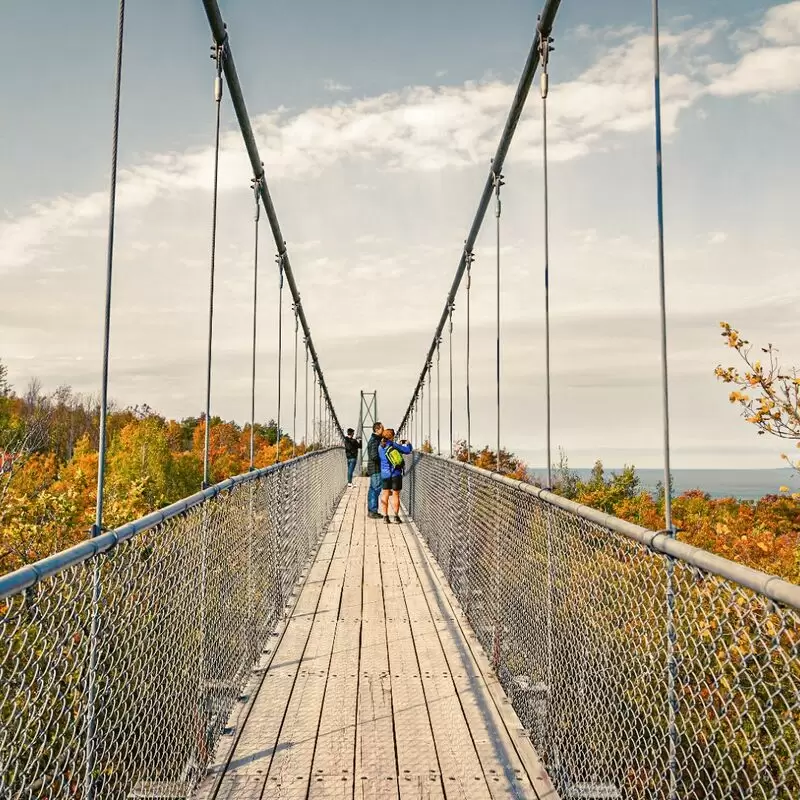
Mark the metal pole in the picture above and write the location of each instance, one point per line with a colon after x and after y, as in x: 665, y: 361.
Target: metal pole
x: 544, y: 28
x: 361, y: 431
x: 91, y: 676
x: 237, y: 100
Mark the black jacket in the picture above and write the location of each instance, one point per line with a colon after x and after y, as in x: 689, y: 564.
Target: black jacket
x: 374, y: 462
x: 351, y: 447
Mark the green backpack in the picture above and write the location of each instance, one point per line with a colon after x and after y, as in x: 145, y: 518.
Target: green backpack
x: 395, y: 458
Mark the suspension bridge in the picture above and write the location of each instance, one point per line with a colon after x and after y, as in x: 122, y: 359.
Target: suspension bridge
x: 264, y: 638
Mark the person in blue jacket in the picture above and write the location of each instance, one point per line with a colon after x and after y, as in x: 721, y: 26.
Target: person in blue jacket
x: 391, y: 474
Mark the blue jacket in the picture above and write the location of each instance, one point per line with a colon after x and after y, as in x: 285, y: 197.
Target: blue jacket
x: 387, y: 471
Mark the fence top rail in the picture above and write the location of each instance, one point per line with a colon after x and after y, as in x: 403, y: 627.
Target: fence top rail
x: 25, y: 577
x: 771, y: 586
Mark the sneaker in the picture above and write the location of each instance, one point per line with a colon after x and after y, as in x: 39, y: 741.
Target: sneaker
x: 374, y: 515
x: 398, y: 520
x: 386, y: 519
x: 350, y: 484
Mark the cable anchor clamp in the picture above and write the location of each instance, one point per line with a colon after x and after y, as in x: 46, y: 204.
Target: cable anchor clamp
x: 497, y: 182
x: 279, y: 260
x: 256, y: 184
x: 545, y: 48
x: 218, y: 54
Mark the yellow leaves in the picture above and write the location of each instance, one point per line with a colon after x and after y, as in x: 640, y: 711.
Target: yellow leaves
x: 738, y: 397
x: 783, y: 489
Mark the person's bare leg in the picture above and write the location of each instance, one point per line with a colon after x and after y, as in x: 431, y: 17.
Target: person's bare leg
x: 385, y: 502
x: 396, y: 503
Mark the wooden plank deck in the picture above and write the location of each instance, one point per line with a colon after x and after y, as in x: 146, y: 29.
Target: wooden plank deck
x: 377, y: 688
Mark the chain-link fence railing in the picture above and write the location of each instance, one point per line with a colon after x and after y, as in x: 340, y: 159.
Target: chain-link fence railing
x: 122, y: 658
x: 642, y: 668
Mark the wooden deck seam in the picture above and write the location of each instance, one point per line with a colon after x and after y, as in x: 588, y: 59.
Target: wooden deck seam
x: 419, y: 668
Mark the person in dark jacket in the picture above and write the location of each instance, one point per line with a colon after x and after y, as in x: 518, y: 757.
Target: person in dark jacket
x: 351, y: 448
x: 374, y: 470
x: 391, y: 474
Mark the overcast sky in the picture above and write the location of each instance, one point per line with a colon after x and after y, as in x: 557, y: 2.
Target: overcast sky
x: 376, y: 123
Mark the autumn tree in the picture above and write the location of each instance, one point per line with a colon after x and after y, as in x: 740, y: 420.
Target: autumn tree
x: 486, y: 458
x: 767, y: 393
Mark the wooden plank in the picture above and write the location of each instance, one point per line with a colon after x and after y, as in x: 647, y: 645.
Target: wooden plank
x: 417, y: 762
x: 462, y: 775
x: 497, y: 730
x: 376, y: 767
x: 290, y: 771
x: 332, y: 769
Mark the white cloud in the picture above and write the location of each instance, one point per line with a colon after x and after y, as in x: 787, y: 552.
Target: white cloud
x: 718, y: 237
x: 782, y: 24
x: 770, y: 61
x: 334, y: 86
x: 419, y: 128
x: 767, y: 70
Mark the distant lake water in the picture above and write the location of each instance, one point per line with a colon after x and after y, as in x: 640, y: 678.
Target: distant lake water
x: 744, y: 484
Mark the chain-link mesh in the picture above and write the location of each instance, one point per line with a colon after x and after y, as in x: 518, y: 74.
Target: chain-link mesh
x: 636, y: 674
x: 181, y: 612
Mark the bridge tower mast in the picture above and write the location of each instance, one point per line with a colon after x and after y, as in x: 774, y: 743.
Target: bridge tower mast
x: 367, y: 417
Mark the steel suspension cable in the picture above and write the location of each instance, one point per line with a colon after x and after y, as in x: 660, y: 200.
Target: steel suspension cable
x: 97, y: 528
x: 469, y: 259
x: 314, y: 403
x: 279, y: 260
x: 430, y: 398
x: 498, y: 182
x: 294, y: 402
x: 112, y: 213
x: 422, y: 413
x: 544, y: 46
x: 450, y: 393
x: 545, y: 26
x: 305, y: 426
x: 255, y: 182
x: 672, y: 661
x: 438, y: 399
x: 220, y: 34
x: 661, y: 271
x: 218, y: 55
